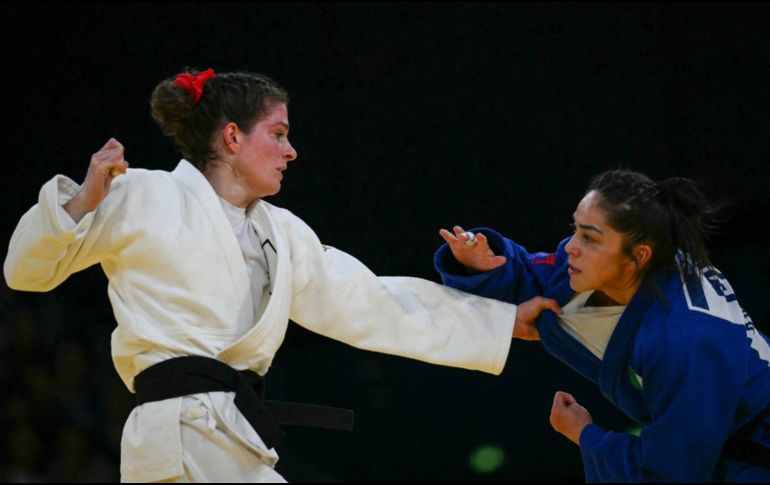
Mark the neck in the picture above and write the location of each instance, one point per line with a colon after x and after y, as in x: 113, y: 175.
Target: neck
x: 224, y: 181
x: 613, y: 297
x: 600, y: 298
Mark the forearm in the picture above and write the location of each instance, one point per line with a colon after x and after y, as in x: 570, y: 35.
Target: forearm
x: 403, y: 316
x: 77, y: 207
x: 45, y: 247
x: 36, y: 255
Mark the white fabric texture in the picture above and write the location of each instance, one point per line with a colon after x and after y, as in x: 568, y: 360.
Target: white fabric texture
x: 591, y: 326
x: 179, y: 285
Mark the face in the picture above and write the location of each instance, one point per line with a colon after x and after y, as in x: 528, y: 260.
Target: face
x: 596, y: 259
x: 261, y: 156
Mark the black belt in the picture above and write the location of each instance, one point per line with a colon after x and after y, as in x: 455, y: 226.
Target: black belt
x: 741, y: 447
x: 182, y: 376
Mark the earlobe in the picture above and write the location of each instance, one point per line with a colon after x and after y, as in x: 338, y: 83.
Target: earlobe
x: 643, y: 254
x: 230, y: 135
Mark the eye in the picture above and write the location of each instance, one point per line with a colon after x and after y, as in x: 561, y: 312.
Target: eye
x: 585, y: 236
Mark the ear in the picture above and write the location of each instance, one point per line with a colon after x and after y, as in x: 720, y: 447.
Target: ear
x: 643, y: 254
x: 231, y: 136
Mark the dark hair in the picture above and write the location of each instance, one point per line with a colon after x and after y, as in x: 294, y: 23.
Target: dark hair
x: 241, y: 97
x: 670, y: 216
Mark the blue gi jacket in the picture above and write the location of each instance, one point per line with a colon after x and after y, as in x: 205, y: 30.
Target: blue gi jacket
x: 685, y: 362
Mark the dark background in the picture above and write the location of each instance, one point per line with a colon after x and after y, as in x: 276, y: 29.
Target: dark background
x: 407, y: 118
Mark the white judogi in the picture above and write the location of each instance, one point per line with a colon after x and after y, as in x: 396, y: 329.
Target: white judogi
x: 178, y: 285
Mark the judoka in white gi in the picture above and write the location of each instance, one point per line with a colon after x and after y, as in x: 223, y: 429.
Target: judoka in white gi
x: 199, y: 265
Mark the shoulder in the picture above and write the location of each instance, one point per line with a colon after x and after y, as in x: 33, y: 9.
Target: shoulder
x: 279, y: 214
x: 141, y: 190
x: 143, y: 179
x: 144, y: 182
x: 692, y: 317
x: 285, y: 218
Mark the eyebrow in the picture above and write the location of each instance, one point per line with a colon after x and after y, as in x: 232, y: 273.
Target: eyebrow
x: 281, y: 123
x: 588, y: 227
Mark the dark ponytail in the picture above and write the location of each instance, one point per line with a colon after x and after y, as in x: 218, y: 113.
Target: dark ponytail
x: 672, y: 216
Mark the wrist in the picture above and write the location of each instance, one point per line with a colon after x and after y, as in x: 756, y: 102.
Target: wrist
x: 77, y: 208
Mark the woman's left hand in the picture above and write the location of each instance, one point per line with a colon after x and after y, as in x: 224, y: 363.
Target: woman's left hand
x: 471, y: 250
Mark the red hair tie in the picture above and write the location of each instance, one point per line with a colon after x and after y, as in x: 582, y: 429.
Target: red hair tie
x: 193, y: 83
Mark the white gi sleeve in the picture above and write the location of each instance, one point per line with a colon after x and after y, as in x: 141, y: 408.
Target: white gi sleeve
x: 47, y: 246
x: 339, y: 297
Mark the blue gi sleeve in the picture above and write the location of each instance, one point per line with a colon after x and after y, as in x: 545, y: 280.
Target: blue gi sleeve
x: 522, y: 277
x: 692, y: 385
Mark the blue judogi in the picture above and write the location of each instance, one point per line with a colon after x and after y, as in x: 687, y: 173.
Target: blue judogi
x: 684, y: 361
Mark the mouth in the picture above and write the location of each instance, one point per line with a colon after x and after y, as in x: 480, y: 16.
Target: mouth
x: 573, y: 270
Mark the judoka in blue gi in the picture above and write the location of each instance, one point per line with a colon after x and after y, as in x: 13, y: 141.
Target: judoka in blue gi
x: 632, y: 302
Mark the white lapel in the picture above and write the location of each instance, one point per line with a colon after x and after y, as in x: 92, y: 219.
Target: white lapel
x: 256, y: 349
x: 192, y: 179
x: 271, y: 239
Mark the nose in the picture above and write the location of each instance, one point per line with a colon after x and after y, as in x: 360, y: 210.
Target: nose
x: 291, y: 154
x: 571, y: 247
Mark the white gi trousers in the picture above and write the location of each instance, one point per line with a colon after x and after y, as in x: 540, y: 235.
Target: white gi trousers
x: 214, y: 453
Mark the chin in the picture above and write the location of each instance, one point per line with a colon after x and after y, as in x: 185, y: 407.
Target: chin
x: 576, y: 286
x: 273, y: 191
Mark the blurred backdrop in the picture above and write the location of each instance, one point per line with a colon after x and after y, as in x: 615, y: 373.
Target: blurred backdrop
x: 407, y: 118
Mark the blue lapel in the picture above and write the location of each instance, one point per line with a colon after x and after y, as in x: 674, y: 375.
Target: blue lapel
x: 557, y: 341
x: 614, y: 368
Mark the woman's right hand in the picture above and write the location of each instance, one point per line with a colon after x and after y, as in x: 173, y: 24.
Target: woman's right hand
x: 476, y: 256
x: 106, y: 164
x: 568, y: 417
x: 525, y: 327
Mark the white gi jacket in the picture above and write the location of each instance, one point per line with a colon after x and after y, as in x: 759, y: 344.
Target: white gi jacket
x: 178, y: 283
